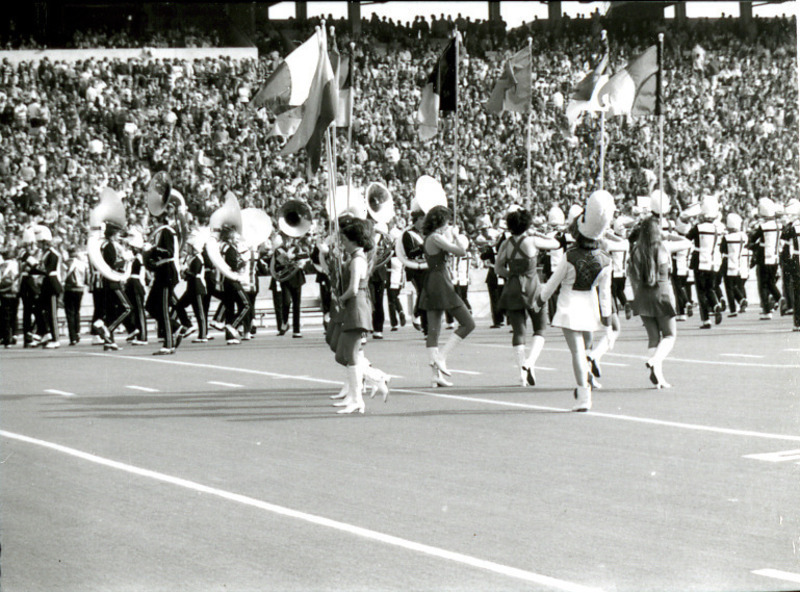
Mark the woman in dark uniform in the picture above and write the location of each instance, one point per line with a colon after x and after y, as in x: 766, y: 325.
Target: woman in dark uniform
x: 354, y: 308
x: 516, y: 262
x: 653, y: 297
x: 438, y: 294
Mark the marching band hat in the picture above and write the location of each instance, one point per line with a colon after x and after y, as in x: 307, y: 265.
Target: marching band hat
x: 598, y: 214
x: 710, y: 206
x: 766, y: 207
x: 555, y: 216
x: 574, y: 211
x: 733, y: 221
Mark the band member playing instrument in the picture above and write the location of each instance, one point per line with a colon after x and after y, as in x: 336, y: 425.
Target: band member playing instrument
x: 237, y: 304
x: 30, y: 289
x: 74, y: 286
x: 765, y: 243
x: 409, y: 250
x: 653, y: 298
x: 195, y: 293
x: 706, y: 239
x: 584, y: 298
x: 516, y: 263
x: 9, y: 294
x: 791, y: 237
x: 731, y: 248
x: 52, y: 285
x: 286, y: 268
x: 438, y: 294
x: 135, y: 289
x: 117, y: 307
x: 163, y: 258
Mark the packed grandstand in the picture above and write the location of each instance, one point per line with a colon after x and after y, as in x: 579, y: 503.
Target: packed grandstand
x: 69, y: 128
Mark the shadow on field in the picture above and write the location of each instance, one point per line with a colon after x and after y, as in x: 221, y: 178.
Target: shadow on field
x: 254, y: 405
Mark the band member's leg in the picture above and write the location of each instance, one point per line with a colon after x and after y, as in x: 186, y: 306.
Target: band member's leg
x: 771, y: 275
x: 277, y: 304
x: 378, y: 313
x: 72, y: 310
x: 295, y: 293
x: 730, y: 292
x: 122, y: 305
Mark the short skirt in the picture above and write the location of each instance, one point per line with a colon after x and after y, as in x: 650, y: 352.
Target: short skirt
x: 577, y: 310
x: 438, y: 292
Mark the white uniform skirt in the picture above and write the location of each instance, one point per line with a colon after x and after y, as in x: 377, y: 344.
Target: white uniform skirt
x: 577, y: 310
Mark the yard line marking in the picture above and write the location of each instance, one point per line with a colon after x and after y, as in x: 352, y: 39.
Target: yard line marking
x: 615, y: 364
x: 775, y: 457
x: 505, y: 570
x: 675, y: 424
x: 214, y: 367
x: 633, y: 418
x: 230, y: 384
x: 741, y: 356
x: 57, y: 392
x: 777, y: 574
x: 792, y: 349
x: 469, y: 372
x: 141, y: 388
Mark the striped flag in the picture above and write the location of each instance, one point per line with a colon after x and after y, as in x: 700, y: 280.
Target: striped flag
x: 584, y: 98
x: 512, y: 92
x: 632, y: 90
x: 440, y: 92
x: 319, y: 111
x: 344, y: 82
x: 288, y: 86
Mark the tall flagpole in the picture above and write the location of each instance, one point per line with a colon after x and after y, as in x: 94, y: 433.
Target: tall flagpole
x: 455, y: 139
x: 351, y: 73
x: 602, y: 147
x: 660, y: 114
x: 528, y: 142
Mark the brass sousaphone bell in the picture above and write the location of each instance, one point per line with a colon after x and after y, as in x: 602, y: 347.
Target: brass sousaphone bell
x: 380, y: 204
x: 160, y: 192
x: 229, y: 214
x: 294, y: 218
x: 110, y: 210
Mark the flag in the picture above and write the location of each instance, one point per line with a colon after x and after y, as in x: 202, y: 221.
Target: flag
x: 440, y: 92
x: 289, y: 84
x: 632, y: 90
x: 319, y: 111
x: 286, y: 123
x: 584, y: 98
x: 344, y: 77
x: 341, y: 70
x: 512, y: 92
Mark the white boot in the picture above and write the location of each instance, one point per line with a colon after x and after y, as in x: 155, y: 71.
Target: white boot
x: 437, y: 378
x: 342, y: 393
x: 376, y: 380
x: 519, y: 353
x: 662, y: 351
x: 354, y: 391
x: 537, y: 345
x: 584, y: 396
x: 452, y: 342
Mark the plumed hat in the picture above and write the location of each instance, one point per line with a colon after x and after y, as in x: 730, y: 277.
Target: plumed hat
x: 598, y: 214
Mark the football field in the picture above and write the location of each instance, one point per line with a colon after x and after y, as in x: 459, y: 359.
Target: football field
x: 226, y: 468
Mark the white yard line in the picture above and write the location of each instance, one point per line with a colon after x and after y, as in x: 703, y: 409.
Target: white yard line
x: 57, y: 392
x: 144, y: 389
x: 777, y: 574
x: 228, y: 384
x: 742, y: 356
x: 475, y: 562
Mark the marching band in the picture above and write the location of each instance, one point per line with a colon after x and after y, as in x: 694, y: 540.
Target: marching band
x: 571, y: 272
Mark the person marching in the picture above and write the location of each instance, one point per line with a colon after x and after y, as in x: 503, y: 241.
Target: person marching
x: 409, y: 251
x: 30, y: 288
x: 74, y: 286
x: 9, y: 294
x: 163, y: 259
x: 438, y: 294
x: 52, y: 284
x: 731, y: 248
x: 791, y: 235
x: 116, y: 306
x: 516, y: 263
x: 619, y: 249
x: 705, y: 237
x: 680, y: 275
x: 135, y: 289
x: 764, y: 242
x: 584, y: 299
x: 234, y: 277
x: 397, y: 281
x: 353, y: 311
x: 195, y: 275
x: 653, y: 298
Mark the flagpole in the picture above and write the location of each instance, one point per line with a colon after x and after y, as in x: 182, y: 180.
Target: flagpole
x: 455, y: 139
x: 602, y: 147
x: 351, y: 66
x: 660, y: 113
x: 528, y: 142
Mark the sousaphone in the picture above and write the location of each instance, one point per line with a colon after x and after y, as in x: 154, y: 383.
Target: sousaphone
x: 380, y: 205
x: 256, y: 227
x: 229, y: 215
x: 109, y: 210
x: 342, y: 202
x: 294, y: 218
x: 160, y: 192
